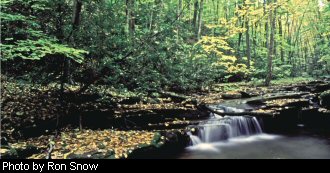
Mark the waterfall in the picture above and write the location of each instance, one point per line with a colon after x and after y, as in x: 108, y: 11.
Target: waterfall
x: 219, y: 128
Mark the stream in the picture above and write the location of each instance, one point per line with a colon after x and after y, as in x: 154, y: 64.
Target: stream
x: 243, y: 137
x: 263, y: 147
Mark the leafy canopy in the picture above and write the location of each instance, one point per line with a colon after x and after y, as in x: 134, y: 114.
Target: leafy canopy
x: 25, y: 39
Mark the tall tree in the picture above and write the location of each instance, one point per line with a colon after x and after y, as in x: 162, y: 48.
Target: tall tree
x: 241, y: 19
x: 130, y: 15
x: 266, y: 24
x: 248, y: 41
x: 200, y: 20
x: 179, y: 16
x: 280, y: 26
x: 76, y: 16
x: 195, y: 19
x: 271, y: 44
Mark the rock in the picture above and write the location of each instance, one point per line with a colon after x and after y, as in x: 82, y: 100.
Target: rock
x: 322, y: 87
x: 174, y: 96
x: 170, y: 142
x: 7, y: 153
x: 4, y: 141
x: 318, y: 118
x: 325, y: 99
x: 21, y: 152
x: 131, y: 100
x: 300, y: 103
x: 326, y: 78
x: 232, y: 95
x: 245, y: 94
x: 152, y: 101
x: 303, y: 88
x: 282, y: 103
x: 316, y: 82
x: 93, y: 155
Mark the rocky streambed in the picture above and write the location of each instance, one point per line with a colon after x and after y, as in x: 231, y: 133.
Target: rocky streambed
x: 160, y: 131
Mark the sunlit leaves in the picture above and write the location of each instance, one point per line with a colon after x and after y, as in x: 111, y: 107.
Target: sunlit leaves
x: 108, y: 143
x: 36, y: 50
x: 219, y: 47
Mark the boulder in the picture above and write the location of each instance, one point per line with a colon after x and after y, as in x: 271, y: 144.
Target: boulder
x: 232, y: 95
x: 245, y: 94
x: 325, y: 99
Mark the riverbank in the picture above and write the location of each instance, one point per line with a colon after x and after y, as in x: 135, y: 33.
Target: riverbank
x: 30, y: 114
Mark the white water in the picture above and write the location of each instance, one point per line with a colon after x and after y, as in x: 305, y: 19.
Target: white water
x: 219, y: 128
x: 242, y: 137
x: 216, y: 146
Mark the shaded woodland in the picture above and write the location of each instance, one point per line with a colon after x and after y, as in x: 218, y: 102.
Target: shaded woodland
x: 150, y: 69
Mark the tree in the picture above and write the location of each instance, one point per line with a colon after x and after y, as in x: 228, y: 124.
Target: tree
x: 200, y: 19
x: 76, y: 16
x: 195, y: 18
x: 248, y: 43
x: 130, y: 7
x: 30, y: 43
x: 271, y: 44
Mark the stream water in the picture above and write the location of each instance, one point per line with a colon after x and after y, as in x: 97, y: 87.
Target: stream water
x: 243, y: 138
x: 263, y: 147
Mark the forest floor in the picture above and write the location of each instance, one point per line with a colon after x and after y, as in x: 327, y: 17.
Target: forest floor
x: 115, y: 124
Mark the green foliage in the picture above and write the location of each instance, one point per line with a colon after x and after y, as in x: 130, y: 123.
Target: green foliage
x: 162, y: 52
x: 36, y: 50
x: 282, y: 71
x: 28, y: 42
x: 280, y: 82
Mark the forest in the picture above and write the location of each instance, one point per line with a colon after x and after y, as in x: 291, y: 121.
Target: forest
x: 177, y: 79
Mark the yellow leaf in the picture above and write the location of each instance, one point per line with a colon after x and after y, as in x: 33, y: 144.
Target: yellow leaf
x: 3, y: 151
x: 65, y: 156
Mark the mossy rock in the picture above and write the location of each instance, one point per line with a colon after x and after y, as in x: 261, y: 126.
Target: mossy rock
x: 325, y: 98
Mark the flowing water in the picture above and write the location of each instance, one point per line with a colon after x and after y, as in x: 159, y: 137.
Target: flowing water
x: 242, y: 138
x: 223, y: 128
x: 219, y: 128
x: 263, y: 147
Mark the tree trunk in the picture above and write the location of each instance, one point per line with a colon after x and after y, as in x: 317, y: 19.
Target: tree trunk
x: 240, y: 35
x: 151, y: 19
x: 228, y: 10
x: 196, y: 6
x: 179, y: 18
x: 59, y: 21
x: 271, y: 46
x: 266, y: 24
x: 75, y: 28
x: 200, y: 20
x: 248, y: 43
x: 130, y: 15
x: 281, y: 36
x: 179, y: 9
x: 76, y: 15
